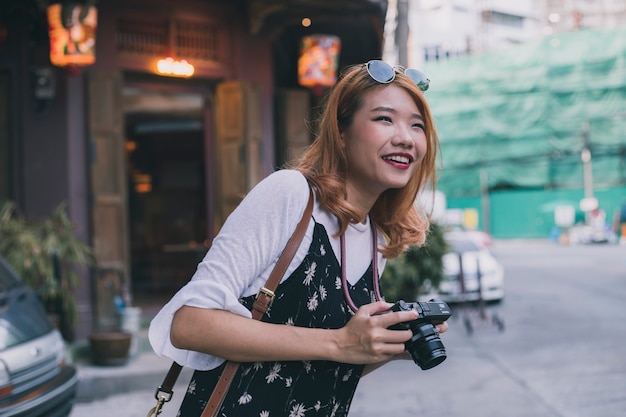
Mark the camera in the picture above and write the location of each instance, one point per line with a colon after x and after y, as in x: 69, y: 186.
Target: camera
x: 425, y: 346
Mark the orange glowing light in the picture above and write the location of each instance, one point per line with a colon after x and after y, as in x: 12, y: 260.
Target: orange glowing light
x: 172, y: 67
x: 143, y: 188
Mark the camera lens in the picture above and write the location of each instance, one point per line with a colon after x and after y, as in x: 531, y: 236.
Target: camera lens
x: 426, y: 347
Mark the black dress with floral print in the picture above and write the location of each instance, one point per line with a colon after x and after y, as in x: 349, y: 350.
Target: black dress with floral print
x: 312, y: 296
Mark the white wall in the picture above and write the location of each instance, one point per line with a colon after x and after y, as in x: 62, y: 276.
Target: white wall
x: 458, y: 26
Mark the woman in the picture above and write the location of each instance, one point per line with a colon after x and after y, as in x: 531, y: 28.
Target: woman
x: 374, y: 151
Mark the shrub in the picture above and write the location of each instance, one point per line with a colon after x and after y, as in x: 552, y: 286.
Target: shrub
x: 47, y: 255
x: 416, y: 271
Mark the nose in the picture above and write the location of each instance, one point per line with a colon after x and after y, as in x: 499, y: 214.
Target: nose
x: 403, y: 137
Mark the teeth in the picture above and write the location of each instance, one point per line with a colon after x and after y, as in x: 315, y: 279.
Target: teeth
x: 397, y: 158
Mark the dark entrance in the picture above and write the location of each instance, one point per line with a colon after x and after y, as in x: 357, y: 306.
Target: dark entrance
x: 167, y: 201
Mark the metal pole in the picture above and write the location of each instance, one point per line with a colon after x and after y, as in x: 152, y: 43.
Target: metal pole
x: 484, y: 199
x: 402, y: 32
x: 585, y: 157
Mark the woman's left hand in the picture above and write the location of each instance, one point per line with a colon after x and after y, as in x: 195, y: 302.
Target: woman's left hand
x: 442, y: 327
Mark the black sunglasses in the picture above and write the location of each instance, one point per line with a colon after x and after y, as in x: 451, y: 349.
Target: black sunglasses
x: 384, y: 73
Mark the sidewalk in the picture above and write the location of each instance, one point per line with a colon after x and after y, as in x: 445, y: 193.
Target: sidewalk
x: 145, y: 371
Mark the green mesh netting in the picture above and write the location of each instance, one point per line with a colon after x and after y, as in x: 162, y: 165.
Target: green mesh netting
x: 517, y: 115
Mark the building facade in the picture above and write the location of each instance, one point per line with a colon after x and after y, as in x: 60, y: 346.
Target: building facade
x: 150, y: 163
x: 440, y: 29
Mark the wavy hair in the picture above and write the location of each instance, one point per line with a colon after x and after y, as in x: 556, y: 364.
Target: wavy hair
x: 324, y: 164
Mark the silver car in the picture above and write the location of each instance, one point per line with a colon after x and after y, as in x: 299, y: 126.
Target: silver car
x: 35, y: 380
x: 468, y: 267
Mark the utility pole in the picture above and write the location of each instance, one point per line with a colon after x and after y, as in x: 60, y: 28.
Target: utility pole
x: 585, y: 157
x: 484, y: 200
x: 402, y: 32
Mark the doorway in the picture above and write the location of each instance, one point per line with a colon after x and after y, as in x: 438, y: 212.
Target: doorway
x: 167, y: 191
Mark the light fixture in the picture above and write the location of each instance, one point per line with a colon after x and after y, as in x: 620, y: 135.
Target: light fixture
x: 318, y: 61
x: 170, y: 66
x: 43, y: 82
x: 143, y: 182
x: 72, y: 32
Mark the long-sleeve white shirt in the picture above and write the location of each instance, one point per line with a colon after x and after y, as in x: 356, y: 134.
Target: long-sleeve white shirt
x: 245, y: 251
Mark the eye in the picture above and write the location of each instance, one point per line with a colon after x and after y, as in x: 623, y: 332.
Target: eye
x: 383, y: 118
x: 419, y: 125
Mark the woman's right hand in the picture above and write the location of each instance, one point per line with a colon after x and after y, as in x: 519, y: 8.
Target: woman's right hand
x: 366, y: 339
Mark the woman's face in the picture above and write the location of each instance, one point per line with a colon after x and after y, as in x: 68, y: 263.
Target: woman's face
x: 384, y: 144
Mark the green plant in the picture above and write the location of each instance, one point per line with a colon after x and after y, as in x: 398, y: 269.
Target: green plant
x: 48, y: 256
x: 416, y: 271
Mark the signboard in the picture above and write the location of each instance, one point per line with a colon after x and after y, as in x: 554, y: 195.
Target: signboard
x: 72, y: 31
x: 319, y: 57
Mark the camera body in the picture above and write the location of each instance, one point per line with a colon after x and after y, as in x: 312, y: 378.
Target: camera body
x: 425, y: 346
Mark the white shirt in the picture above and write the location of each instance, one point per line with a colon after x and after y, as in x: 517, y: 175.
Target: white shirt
x: 245, y: 251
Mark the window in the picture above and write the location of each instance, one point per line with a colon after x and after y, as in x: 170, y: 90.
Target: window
x: 504, y: 19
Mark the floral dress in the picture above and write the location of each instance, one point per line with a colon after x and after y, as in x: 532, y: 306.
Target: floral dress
x: 312, y: 296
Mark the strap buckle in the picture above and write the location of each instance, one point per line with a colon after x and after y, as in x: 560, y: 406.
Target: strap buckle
x: 165, y: 398
x: 161, y: 399
x: 268, y: 293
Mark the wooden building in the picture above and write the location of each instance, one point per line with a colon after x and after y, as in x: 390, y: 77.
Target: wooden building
x: 150, y: 163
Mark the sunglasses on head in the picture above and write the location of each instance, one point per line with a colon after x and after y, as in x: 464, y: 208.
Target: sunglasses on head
x: 384, y: 73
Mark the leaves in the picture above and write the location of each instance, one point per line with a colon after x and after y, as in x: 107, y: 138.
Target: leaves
x: 46, y: 254
x: 417, y: 270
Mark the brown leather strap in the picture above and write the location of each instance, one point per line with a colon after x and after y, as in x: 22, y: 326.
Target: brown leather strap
x: 265, y: 298
x: 261, y: 305
x: 170, y: 379
x: 220, y: 390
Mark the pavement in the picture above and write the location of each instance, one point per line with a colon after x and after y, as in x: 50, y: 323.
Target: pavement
x: 143, y: 371
x: 560, y: 356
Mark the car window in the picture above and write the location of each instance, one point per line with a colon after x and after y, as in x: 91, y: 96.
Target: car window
x: 8, y: 277
x: 22, y: 317
x: 462, y: 246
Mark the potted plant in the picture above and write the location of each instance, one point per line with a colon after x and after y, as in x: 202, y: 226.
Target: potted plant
x: 48, y: 256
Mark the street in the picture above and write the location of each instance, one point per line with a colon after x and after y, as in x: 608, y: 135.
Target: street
x: 561, y: 353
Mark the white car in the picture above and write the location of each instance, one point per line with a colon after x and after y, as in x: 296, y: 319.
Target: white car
x: 475, y: 263
x: 35, y: 380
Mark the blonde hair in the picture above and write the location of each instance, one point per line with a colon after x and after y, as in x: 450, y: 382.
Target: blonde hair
x: 324, y: 164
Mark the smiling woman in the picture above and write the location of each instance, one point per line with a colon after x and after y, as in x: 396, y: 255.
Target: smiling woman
x: 385, y: 143
x: 374, y: 150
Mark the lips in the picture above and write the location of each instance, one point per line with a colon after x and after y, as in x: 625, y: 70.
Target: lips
x: 399, y: 159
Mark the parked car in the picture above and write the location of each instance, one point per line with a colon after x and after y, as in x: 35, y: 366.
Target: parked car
x: 35, y: 380
x: 481, y: 238
x: 473, y: 260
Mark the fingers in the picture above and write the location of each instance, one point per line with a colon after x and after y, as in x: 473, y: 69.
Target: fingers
x: 441, y: 328
x: 367, y: 337
x: 384, y: 317
x: 375, y: 308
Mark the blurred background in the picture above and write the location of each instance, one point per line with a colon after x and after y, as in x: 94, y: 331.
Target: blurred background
x: 130, y: 129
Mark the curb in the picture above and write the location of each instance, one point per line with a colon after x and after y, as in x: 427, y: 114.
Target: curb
x: 144, y: 371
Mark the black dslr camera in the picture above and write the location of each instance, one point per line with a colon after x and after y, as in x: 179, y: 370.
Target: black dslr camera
x: 425, y: 346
